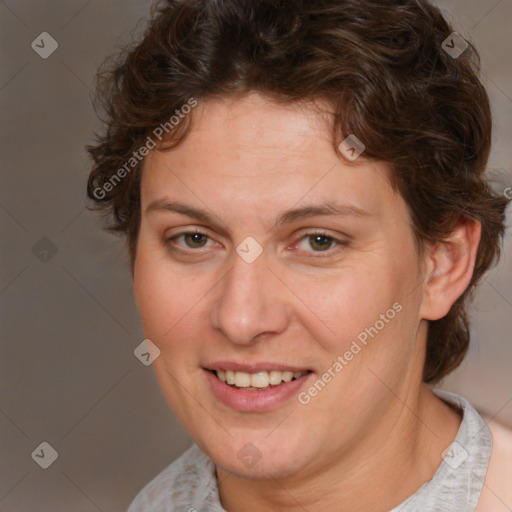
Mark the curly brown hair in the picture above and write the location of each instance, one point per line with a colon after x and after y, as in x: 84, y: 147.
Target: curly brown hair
x: 380, y: 64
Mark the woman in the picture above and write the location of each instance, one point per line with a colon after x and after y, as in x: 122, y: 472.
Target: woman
x: 301, y: 186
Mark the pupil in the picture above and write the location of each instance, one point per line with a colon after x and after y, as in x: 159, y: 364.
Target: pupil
x: 196, y: 238
x: 322, y: 242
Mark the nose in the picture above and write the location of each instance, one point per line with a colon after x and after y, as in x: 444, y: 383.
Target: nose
x: 250, y: 303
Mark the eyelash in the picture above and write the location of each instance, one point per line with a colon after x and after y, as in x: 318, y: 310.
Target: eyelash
x: 339, y: 244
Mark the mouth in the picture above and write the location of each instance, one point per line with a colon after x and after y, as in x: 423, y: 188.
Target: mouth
x: 258, y: 381
x: 256, y: 387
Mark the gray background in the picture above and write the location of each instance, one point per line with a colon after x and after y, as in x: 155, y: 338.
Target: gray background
x: 68, y: 375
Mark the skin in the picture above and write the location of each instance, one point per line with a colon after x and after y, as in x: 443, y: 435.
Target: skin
x: 245, y: 161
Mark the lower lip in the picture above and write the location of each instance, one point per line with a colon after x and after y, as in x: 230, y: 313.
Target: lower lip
x: 255, y: 401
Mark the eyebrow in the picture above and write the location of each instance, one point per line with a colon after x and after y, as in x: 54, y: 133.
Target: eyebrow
x: 286, y: 217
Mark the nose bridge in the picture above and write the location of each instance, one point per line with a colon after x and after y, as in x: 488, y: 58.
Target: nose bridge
x: 248, y: 303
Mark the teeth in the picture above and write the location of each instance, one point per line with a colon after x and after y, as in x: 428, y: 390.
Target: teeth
x: 275, y: 377
x: 259, y: 380
x: 287, y: 376
x: 242, y: 379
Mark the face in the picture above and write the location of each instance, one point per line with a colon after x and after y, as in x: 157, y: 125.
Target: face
x: 263, y: 257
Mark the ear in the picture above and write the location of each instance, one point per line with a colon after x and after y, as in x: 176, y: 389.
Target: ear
x: 449, y: 269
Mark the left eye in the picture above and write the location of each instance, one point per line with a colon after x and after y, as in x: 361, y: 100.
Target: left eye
x: 319, y: 242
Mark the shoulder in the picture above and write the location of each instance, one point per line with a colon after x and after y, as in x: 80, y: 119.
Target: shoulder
x: 175, y: 487
x: 496, y: 494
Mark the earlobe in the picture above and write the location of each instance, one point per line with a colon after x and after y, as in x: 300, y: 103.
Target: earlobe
x: 450, y: 269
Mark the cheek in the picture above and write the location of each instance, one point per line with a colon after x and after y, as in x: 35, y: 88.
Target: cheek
x: 168, y: 302
x: 155, y: 294
x: 341, y: 306
x: 373, y: 325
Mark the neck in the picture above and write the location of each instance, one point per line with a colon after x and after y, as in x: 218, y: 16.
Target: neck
x: 398, y: 455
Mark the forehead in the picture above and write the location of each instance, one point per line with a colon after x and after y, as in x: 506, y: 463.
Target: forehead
x: 255, y: 126
x: 243, y: 151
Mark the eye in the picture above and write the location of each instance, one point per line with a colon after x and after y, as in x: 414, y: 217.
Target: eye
x: 320, y: 242
x: 191, y: 240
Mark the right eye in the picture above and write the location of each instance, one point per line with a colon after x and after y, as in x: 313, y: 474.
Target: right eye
x: 192, y: 240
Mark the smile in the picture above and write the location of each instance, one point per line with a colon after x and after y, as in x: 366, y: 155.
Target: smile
x: 258, y: 390
x: 256, y: 381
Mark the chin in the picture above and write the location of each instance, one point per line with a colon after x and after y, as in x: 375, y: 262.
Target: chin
x: 256, y: 457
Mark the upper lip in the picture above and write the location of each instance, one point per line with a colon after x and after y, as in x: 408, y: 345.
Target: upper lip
x: 254, y: 367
